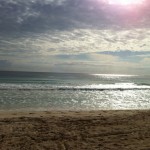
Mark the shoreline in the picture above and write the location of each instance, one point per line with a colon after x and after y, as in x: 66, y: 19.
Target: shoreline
x: 75, y: 130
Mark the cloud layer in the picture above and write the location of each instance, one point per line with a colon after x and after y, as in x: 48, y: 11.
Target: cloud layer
x: 54, y: 34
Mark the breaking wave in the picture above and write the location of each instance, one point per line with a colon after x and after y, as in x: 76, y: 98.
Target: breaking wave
x: 93, y: 87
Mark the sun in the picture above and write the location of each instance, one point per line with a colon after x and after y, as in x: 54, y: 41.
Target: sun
x: 125, y: 2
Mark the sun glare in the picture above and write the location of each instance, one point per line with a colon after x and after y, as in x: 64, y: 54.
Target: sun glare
x: 125, y: 2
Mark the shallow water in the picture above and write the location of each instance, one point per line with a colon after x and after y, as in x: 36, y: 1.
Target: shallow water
x: 61, y: 91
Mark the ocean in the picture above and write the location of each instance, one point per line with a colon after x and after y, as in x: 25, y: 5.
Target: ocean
x: 73, y: 91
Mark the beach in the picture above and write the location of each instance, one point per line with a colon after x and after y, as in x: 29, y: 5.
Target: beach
x: 75, y: 130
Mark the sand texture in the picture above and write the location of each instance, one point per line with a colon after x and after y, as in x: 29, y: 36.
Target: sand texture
x: 67, y: 130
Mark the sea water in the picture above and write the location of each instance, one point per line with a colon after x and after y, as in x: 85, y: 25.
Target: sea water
x: 73, y: 91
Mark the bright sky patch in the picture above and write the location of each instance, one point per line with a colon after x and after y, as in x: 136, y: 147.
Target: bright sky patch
x: 125, y: 2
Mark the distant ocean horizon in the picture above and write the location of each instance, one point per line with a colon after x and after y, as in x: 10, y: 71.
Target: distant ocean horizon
x: 73, y: 91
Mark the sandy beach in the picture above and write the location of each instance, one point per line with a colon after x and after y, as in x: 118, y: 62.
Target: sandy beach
x: 73, y: 130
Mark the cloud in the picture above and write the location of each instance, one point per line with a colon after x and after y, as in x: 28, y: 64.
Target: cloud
x: 5, y: 64
x: 126, y: 53
x: 41, y: 15
x: 75, y: 42
x: 44, y: 34
x: 145, y: 62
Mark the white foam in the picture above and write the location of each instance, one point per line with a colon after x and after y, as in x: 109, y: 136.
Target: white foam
x: 116, y: 86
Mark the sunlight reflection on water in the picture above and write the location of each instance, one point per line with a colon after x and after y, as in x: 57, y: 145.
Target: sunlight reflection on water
x: 76, y: 100
x: 76, y: 92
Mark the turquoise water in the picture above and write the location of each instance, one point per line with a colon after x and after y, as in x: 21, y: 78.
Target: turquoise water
x: 66, y: 91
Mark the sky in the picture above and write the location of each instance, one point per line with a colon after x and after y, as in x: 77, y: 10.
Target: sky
x: 85, y: 36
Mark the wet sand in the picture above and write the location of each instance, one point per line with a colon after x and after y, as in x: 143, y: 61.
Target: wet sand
x: 67, y: 130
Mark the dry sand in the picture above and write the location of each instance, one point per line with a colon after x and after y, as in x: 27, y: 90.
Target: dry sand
x: 93, y: 130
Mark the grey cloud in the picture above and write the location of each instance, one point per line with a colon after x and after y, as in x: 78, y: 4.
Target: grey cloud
x: 40, y: 15
x: 75, y: 42
x: 126, y: 53
x: 37, y: 29
x: 5, y: 63
x: 36, y: 19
